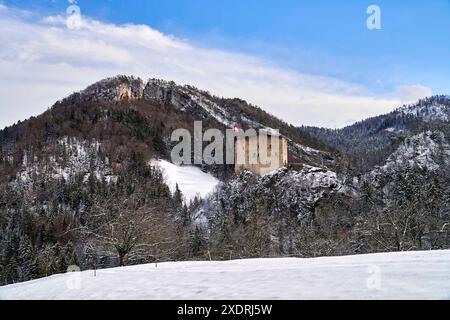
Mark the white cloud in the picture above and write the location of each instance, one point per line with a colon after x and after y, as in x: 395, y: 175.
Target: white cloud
x: 43, y: 61
x: 413, y: 93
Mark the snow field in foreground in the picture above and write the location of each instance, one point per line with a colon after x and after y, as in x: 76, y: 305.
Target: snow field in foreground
x: 405, y: 275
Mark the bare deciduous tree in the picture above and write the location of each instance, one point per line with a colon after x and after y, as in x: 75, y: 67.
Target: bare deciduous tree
x: 131, y: 228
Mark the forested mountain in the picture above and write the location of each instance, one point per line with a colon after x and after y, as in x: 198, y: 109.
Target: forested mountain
x: 371, y: 141
x: 396, y: 196
x: 78, y: 187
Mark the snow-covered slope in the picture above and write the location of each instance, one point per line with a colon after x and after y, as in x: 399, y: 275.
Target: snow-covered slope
x: 423, y: 150
x: 191, y: 180
x: 432, y: 111
x: 405, y: 275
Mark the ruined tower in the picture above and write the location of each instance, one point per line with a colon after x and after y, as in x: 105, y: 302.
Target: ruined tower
x: 253, y: 156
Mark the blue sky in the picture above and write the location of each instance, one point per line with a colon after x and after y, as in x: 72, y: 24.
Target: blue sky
x: 409, y: 56
x: 328, y: 37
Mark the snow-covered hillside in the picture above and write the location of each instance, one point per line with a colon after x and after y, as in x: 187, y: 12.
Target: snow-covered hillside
x: 422, y: 150
x: 191, y: 180
x: 70, y: 157
x: 431, y: 111
x: 405, y: 275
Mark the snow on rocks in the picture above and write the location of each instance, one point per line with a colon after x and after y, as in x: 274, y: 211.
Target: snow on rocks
x: 422, y: 150
x: 303, y: 188
x: 294, y: 192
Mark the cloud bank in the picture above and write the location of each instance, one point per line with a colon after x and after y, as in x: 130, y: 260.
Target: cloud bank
x: 42, y: 61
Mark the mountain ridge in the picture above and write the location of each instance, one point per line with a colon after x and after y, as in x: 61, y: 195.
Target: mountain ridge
x: 369, y: 142
x: 225, y: 113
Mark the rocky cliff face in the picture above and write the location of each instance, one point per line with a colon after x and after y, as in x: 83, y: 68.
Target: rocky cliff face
x: 427, y: 151
x: 286, y: 192
x: 425, y: 154
x: 112, y: 89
